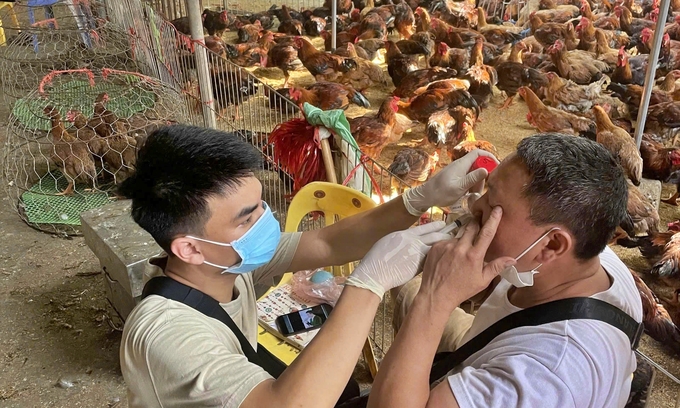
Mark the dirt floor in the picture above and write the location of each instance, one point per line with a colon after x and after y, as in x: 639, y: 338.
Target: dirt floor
x: 58, y: 344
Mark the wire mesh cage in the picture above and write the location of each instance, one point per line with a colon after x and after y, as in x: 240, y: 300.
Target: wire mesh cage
x: 62, y: 35
x: 74, y: 139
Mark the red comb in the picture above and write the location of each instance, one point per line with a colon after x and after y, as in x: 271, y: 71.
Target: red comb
x: 484, y: 162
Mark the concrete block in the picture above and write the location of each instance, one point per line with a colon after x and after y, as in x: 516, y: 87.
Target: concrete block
x: 652, y: 190
x: 122, y: 248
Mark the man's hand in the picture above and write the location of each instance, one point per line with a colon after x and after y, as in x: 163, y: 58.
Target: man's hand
x: 396, y: 258
x: 447, y: 186
x: 455, y: 270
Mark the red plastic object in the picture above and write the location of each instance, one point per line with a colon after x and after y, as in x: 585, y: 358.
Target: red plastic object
x: 484, y: 162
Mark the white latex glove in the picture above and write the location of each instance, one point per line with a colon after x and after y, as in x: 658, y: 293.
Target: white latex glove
x: 447, y: 186
x: 396, y: 258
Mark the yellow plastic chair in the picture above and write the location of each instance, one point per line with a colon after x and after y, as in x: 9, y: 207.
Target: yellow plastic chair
x: 335, y: 202
x: 13, y: 17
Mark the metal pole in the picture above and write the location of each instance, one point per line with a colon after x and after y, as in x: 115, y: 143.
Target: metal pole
x: 651, y: 71
x: 334, y: 24
x: 202, y: 70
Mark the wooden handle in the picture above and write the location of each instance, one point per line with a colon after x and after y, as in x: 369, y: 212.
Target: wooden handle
x: 327, y: 156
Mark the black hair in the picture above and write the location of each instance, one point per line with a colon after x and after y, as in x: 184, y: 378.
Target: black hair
x: 576, y: 183
x: 178, y: 168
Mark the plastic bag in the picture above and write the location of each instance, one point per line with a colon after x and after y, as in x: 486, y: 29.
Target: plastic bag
x: 308, y: 292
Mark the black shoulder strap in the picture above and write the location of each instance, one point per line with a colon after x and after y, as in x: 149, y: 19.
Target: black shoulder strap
x: 558, y: 310
x: 171, y: 289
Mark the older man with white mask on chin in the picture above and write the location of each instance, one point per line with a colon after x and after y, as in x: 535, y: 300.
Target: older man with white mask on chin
x: 549, y: 211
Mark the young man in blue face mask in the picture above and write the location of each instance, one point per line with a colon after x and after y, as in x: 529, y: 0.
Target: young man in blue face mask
x: 194, y: 191
x: 561, y: 199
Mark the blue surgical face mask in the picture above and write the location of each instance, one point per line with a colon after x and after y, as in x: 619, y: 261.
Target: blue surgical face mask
x: 256, y: 247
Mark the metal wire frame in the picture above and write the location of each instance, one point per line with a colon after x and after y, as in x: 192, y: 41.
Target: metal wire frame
x: 71, y: 38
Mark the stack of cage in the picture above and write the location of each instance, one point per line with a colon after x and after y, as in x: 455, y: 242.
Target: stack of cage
x: 74, y: 139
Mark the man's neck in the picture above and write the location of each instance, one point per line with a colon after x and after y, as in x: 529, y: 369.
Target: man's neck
x: 563, y: 281
x: 217, y: 286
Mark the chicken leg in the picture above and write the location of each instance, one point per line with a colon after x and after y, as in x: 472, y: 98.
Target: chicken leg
x: 673, y: 200
x: 507, y: 103
x: 68, y: 190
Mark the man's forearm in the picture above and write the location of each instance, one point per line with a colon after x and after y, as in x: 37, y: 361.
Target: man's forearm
x: 351, y: 238
x: 320, y: 373
x: 403, y: 379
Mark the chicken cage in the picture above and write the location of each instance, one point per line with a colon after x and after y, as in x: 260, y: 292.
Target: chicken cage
x: 72, y: 140
x: 43, y: 36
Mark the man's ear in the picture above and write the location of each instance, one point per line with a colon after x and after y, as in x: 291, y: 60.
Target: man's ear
x: 187, y: 250
x: 561, y: 242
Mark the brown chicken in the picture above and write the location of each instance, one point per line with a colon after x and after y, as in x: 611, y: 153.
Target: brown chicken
x: 374, y: 133
x: 548, y: 119
x: 482, y: 77
x: 328, y: 95
x: 664, y: 120
x: 372, y: 26
x: 359, y: 52
x: 466, y: 146
x: 367, y: 73
x: 625, y: 73
x: 603, y: 51
x: 343, y: 6
x: 629, y: 24
x: 371, y: 46
x: 578, y: 66
x: 438, y: 96
x: 514, y: 75
x: 446, y: 57
x: 70, y: 154
x: 483, y: 27
x: 604, y: 21
x: 652, y: 246
x: 323, y: 66
x: 658, y: 162
x: 103, y: 120
x: 313, y: 26
x: 620, y: 145
x: 398, y: 64
x: 404, y: 20
x: 419, y: 44
x: 288, y: 25
x: 669, y: 263
x: 284, y: 57
x: 585, y: 31
x: 673, y: 30
x: 413, y: 166
x: 642, y: 213
x: 114, y: 146
x: 246, y: 54
x: 249, y: 32
x: 82, y: 130
x: 415, y: 80
x: 657, y: 322
x: 448, y: 127
x: 571, y: 97
x: 631, y: 94
x: 215, y: 22
x: 548, y: 33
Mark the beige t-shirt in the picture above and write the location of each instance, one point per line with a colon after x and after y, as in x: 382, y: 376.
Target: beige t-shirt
x: 174, y: 356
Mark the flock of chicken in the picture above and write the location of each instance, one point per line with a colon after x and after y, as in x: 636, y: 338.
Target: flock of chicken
x: 578, y: 64
x: 102, y: 147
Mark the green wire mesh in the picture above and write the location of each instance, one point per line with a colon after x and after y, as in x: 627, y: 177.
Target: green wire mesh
x: 41, y: 205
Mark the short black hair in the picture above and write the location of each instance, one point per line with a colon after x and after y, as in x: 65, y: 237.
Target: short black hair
x: 178, y: 168
x: 576, y: 183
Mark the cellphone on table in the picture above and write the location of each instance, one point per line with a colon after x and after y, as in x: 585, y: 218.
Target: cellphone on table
x: 303, y: 320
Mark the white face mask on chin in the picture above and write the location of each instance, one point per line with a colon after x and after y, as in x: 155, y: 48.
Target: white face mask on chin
x: 523, y: 279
